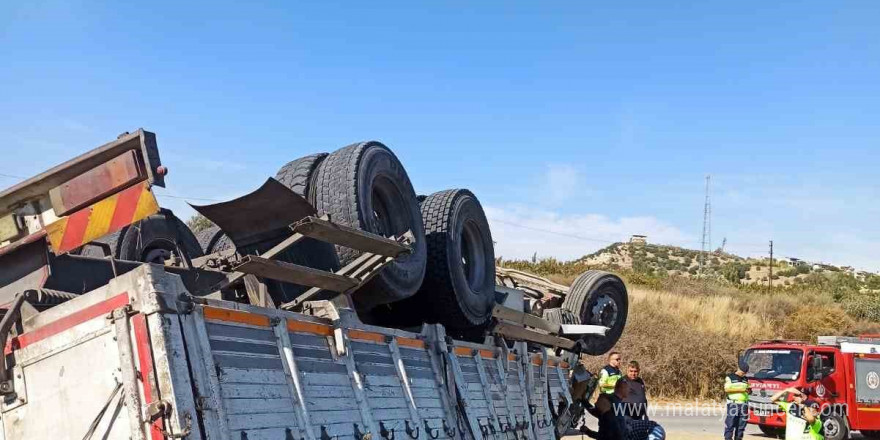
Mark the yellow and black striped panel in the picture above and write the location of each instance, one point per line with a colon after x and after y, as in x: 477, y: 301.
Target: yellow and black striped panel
x: 103, y: 217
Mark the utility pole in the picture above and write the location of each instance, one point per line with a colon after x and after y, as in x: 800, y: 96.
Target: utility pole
x: 771, y: 265
x: 707, y: 228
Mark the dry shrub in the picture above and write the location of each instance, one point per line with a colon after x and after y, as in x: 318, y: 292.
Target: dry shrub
x: 865, y: 328
x: 687, y: 333
x: 864, y: 306
x: 718, y: 315
x: 810, y: 321
x: 684, y: 345
x: 565, y: 280
x: 687, y: 343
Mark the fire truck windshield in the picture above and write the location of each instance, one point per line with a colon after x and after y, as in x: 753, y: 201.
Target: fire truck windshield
x: 774, y: 363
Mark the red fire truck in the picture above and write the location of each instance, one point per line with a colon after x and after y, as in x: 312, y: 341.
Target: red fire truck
x: 842, y: 373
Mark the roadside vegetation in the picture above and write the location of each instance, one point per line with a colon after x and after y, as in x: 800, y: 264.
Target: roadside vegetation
x: 687, y: 330
x: 198, y: 223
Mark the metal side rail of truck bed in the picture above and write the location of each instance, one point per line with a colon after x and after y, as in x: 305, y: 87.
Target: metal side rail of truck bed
x: 140, y: 358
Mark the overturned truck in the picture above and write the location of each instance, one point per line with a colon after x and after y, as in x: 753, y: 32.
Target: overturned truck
x: 330, y: 303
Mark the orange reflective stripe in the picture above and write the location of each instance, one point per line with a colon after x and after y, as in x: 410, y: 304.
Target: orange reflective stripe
x: 537, y: 360
x: 102, y: 217
x: 366, y: 336
x: 240, y: 317
x: 409, y: 342
x: 309, y: 327
x: 487, y: 354
x: 463, y: 351
x: 564, y: 364
x: 511, y: 357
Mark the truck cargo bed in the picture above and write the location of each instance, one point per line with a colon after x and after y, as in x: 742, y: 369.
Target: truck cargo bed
x: 140, y: 358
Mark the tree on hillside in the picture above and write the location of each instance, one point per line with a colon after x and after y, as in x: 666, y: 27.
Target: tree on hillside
x: 198, y: 223
x: 734, y: 272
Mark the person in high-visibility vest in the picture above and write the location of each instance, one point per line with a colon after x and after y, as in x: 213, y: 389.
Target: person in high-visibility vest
x: 736, y: 386
x: 802, y: 420
x: 610, y: 374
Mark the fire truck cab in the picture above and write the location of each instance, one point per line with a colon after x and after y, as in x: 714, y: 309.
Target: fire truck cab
x: 841, y: 373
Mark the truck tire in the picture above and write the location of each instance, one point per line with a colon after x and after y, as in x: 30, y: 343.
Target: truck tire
x: 364, y: 186
x: 459, y: 286
x: 836, y: 427
x: 214, y: 240
x: 299, y: 175
x: 560, y: 316
x: 599, y: 298
x: 150, y: 240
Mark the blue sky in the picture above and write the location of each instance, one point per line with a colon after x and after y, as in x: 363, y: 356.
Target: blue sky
x: 593, y: 121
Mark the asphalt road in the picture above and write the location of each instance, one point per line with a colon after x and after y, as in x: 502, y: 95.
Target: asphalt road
x: 696, y: 427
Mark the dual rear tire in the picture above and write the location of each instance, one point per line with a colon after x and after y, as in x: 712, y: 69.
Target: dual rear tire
x: 365, y: 186
x: 448, y: 277
x: 459, y: 286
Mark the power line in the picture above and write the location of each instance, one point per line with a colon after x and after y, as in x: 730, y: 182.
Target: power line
x: 563, y: 234
x: 10, y: 176
x: 187, y: 198
x: 548, y: 231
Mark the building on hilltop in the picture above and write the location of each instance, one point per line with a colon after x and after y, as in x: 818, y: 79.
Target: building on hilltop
x: 639, y: 240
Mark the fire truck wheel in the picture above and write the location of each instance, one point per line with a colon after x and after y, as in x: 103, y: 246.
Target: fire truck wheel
x: 836, y: 428
x: 365, y: 186
x: 599, y: 298
x: 772, y: 431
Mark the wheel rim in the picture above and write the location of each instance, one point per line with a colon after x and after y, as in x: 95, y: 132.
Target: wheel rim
x: 386, y: 200
x: 832, y: 428
x: 472, y: 255
x: 156, y: 254
x: 158, y: 251
x: 605, y: 311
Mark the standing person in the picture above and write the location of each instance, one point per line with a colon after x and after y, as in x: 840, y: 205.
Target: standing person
x: 610, y: 374
x: 637, y: 398
x: 636, y: 429
x: 801, y: 416
x: 736, y: 386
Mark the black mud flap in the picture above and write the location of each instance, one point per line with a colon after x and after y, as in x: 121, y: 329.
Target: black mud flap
x: 261, y: 215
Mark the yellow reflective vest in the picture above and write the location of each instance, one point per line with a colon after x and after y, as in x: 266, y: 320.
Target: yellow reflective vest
x: 736, y: 388
x: 608, y: 377
x: 796, y: 427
